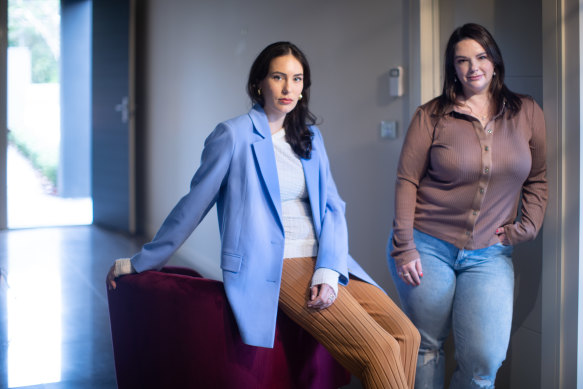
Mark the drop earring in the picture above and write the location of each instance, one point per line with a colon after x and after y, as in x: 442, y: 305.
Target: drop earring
x: 259, y: 91
x: 301, y: 97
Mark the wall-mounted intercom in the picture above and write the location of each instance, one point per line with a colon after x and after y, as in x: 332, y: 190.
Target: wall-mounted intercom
x: 396, y: 81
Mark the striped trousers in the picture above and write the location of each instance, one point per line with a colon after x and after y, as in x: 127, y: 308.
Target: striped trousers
x: 364, y: 330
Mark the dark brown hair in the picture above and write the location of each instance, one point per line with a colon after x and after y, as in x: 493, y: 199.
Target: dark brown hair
x: 501, y: 95
x: 296, y: 123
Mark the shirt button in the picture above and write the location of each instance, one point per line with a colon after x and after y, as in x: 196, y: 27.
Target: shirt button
x: 486, y: 148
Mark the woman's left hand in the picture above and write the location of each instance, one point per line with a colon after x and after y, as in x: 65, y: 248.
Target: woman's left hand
x: 321, y: 296
x: 502, y: 236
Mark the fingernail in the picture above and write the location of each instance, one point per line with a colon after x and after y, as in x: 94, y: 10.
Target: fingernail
x: 420, y: 274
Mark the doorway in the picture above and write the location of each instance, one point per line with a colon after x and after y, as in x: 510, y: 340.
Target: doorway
x: 48, y: 114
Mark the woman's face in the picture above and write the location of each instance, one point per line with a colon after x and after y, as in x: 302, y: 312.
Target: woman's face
x: 473, y: 67
x: 283, y: 85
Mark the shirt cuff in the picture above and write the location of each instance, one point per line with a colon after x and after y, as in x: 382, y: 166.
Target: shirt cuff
x: 122, y: 267
x: 324, y: 275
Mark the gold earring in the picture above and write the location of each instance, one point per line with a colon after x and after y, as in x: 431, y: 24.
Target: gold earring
x: 301, y: 97
x: 259, y: 91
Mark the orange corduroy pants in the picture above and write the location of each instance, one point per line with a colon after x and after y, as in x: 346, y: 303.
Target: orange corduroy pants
x: 364, y: 330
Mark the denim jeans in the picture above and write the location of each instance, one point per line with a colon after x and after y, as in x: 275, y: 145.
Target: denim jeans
x: 468, y: 292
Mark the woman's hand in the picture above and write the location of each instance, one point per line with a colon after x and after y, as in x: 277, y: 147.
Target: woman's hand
x: 411, y: 272
x: 120, y: 267
x: 502, y: 236
x: 321, y: 296
x: 110, y: 279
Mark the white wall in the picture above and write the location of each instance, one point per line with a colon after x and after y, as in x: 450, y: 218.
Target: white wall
x: 198, y: 55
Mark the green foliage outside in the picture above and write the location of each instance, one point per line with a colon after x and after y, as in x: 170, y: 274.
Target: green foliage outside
x: 46, y: 161
x: 35, y: 24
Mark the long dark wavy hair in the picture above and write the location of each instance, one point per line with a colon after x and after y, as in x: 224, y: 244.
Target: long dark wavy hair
x: 297, y: 132
x: 501, y: 95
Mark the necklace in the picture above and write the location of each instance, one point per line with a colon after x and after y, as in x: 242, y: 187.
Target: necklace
x: 483, y: 114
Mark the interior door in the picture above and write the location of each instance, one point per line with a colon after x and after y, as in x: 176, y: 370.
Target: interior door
x: 113, y: 177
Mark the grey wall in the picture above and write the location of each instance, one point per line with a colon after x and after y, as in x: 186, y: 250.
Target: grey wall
x: 517, y: 27
x: 196, y: 60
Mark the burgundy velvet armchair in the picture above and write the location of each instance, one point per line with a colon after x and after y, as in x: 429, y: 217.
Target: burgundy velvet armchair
x: 175, y: 329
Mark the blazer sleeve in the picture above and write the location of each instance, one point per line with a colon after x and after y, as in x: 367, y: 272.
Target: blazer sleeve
x: 333, y: 237
x: 193, y: 207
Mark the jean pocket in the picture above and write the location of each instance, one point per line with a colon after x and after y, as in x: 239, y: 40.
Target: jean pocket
x: 504, y: 249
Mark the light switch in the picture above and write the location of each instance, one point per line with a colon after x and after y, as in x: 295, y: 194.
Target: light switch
x: 389, y: 129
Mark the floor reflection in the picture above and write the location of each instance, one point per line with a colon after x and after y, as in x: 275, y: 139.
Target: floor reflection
x: 54, y: 323
x: 34, y: 310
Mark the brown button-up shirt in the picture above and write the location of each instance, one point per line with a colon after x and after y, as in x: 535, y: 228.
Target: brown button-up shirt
x: 459, y: 181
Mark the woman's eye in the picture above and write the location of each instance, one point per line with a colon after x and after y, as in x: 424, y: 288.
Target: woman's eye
x: 298, y: 79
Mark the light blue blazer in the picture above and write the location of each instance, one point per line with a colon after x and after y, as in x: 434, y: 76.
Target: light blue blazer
x: 239, y: 174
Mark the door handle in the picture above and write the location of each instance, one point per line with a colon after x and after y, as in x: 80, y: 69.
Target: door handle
x: 123, y: 108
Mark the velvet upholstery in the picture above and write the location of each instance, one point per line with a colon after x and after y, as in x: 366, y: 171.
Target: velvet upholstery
x: 175, y: 329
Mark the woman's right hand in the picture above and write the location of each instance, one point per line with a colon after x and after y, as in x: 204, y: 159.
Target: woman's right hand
x: 110, y: 279
x: 119, y: 268
x: 411, y: 272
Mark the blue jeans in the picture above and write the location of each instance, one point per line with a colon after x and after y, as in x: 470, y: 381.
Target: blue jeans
x: 468, y: 291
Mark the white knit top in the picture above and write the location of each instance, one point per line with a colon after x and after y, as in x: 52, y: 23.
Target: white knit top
x: 298, y: 226
x: 300, y: 237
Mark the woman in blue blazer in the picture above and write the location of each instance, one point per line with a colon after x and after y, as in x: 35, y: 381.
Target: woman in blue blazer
x: 268, y: 173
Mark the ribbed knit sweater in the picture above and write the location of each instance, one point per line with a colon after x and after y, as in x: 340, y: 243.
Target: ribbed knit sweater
x: 459, y: 181
x: 296, y: 214
x: 300, y: 236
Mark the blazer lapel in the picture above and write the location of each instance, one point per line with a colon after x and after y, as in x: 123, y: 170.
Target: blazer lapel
x: 265, y: 158
x: 312, y: 174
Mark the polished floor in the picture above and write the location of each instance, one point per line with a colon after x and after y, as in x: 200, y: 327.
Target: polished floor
x: 54, y: 324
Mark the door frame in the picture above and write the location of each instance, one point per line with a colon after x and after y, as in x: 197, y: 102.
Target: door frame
x: 561, y: 278
x: 3, y: 115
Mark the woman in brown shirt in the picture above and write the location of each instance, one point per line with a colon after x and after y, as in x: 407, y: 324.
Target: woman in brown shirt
x: 470, y: 158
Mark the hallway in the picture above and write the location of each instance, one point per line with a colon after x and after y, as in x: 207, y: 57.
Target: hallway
x: 54, y: 324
